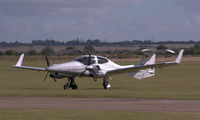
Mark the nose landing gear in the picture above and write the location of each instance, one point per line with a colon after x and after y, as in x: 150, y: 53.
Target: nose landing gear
x: 106, y: 83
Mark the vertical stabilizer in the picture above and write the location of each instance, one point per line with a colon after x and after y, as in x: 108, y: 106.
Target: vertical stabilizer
x: 146, y: 60
x: 151, y: 60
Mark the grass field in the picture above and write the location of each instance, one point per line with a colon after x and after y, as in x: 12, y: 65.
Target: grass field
x: 177, y: 82
x: 52, y: 114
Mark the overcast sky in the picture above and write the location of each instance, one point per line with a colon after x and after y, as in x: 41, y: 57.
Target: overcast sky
x: 112, y: 20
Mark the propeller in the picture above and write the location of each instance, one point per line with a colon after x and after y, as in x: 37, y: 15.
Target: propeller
x: 46, y: 77
x: 47, y: 60
x: 48, y: 64
x: 89, y: 58
x: 91, y: 68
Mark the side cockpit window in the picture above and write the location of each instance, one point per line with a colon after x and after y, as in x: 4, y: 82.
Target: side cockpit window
x: 102, y: 60
x: 85, y: 60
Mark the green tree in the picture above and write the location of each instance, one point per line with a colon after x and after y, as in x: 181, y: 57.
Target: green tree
x: 70, y: 48
x: 47, y: 51
x: 10, y: 52
x: 197, y: 46
x: 161, y: 47
x: 32, y: 52
x: 88, y: 48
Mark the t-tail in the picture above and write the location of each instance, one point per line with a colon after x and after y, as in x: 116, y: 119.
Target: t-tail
x: 151, y: 65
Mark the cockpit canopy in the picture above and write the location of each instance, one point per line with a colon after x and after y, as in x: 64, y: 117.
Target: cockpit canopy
x: 85, y: 60
x: 94, y: 59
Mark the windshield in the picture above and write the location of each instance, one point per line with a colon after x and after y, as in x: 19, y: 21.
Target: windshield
x: 85, y: 60
x: 102, y: 60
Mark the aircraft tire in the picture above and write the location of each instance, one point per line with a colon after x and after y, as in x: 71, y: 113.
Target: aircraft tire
x: 65, y: 86
x: 74, y: 87
x: 105, y: 83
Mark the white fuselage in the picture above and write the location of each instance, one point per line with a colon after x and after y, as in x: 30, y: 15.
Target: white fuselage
x: 77, y: 67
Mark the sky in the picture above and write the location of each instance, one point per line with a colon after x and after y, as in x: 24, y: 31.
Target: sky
x: 110, y: 20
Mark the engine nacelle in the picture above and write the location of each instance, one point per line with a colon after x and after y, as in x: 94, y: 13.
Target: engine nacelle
x: 57, y: 75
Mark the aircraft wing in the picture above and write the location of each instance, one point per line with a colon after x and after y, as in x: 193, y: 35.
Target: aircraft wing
x: 141, y: 67
x: 19, y: 65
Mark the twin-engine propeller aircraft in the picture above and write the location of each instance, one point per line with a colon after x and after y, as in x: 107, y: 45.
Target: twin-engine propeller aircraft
x: 99, y: 67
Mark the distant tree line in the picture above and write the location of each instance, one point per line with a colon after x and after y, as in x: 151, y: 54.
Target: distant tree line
x: 49, y: 51
x: 16, y: 43
x: 193, y: 50
x: 71, y: 50
x: 89, y: 46
x: 46, y: 51
x: 96, y: 42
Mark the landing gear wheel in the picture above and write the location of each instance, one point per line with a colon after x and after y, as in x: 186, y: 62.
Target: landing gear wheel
x: 104, y: 86
x: 74, y: 87
x: 66, y: 86
x: 106, y: 83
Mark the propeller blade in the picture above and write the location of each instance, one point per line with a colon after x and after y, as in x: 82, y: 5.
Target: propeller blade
x: 54, y: 79
x: 46, y: 77
x: 93, y: 72
x: 94, y: 75
x: 90, y: 70
x: 89, y: 59
x: 84, y: 71
x: 47, y: 61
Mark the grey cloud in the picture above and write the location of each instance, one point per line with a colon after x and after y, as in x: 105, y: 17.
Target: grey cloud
x: 111, y: 19
x: 53, y: 7
x: 191, y: 6
x: 114, y: 29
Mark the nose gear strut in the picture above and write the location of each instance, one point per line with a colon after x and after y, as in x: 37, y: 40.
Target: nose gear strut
x: 106, y: 83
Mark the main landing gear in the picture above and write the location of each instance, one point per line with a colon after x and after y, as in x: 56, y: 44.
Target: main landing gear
x: 70, y: 84
x: 106, y: 83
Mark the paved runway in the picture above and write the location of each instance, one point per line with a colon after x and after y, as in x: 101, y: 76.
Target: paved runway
x: 122, y: 104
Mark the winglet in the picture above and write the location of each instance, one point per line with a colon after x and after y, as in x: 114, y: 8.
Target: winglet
x: 19, y: 62
x: 178, y: 59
